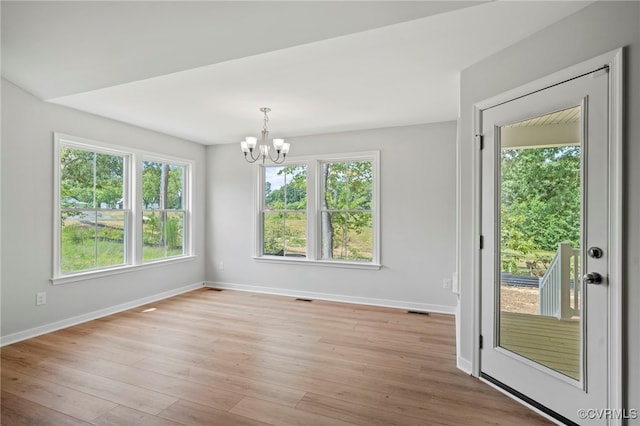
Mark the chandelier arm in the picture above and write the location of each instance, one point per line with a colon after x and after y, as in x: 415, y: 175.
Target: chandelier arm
x: 275, y: 160
x: 253, y: 159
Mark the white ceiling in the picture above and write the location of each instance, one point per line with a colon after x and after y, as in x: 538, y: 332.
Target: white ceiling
x: 202, y: 70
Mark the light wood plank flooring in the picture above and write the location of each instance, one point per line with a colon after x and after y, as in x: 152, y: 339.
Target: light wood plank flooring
x: 549, y: 341
x: 233, y: 358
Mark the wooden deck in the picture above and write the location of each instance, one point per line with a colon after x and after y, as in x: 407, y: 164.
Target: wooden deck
x: 233, y: 358
x: 546, y: 340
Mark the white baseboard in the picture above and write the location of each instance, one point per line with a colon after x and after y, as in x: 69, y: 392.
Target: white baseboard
x: 48, y: 328
x: 400, y: 304
x: 464, y: 365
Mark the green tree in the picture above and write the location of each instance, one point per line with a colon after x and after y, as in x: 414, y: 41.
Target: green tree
x: 345, y: 205
x: 162, y: 191
x: 90, y: 179
x: 285, y: 215
x: 540, y: 203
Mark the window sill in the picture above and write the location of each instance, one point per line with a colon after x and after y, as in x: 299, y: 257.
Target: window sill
x: 326, y: 263
x: 100, y: 273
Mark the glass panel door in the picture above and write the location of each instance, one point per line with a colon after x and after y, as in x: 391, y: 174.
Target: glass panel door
x: 545, y: 203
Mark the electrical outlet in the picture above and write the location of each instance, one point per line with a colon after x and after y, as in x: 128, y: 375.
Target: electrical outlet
x: 41, y: 298
x: 446, y: 283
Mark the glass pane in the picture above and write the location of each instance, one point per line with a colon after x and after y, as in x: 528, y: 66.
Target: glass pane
x: 153, y: 246
x: 285, y: 234
x: 77, y: 241
x: 540, y: 229
x: 347, y: 186
x: 273, y: 228
x: 285, y: 188
x: 174, y: 231
x: 162, y: 234
x: 76, y: 178
x: 175, y: 185
x: 110, y: 228
x: 360, y: 185
x: 347, y: 236
x: 109, y: 181
x: 162, y: 186
x: 295, y: 234
x: 334, y: 177
x: 151, y: 172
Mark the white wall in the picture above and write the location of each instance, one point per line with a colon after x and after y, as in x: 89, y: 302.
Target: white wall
x: 27, y: 171
x: 599, y: 28
x: 417, y: 221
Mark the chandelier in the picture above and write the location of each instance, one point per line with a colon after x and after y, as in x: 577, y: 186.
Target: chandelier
x: 264, y: 149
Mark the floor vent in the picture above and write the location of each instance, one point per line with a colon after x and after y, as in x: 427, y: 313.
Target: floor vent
x: 304, y: 300
x: 418, y: 312
x: 215, y: 289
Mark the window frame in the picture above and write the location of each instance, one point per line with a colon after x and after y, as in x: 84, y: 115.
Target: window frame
x: 262, y: 210
x: 186, y: 206
x: 314, y: 192
x: 132, y: 205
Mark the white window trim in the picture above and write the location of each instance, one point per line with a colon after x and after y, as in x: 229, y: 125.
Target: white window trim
x: 132, y: 198
x: 313, y: 201
x: 186, y: 205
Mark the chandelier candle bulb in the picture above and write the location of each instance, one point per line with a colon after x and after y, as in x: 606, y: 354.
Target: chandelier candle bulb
x: 277, y: 144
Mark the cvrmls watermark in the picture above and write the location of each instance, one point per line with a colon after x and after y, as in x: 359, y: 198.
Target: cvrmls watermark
x: 608, y: 413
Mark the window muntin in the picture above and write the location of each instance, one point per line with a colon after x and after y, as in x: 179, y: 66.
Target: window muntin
x: 284, y: 211
x: 346, y: 211
x: 93, y: 210
x: 163, y: 216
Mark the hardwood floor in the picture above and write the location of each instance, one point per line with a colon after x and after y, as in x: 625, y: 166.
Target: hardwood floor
x: 233, y: 358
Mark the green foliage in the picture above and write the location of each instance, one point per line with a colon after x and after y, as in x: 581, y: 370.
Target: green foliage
x: 284, y: 222
x: 292, y: 191
x: 86, y: 244
x: 162, y: 234
x: 285, y: 233
x: 152, y: 174
x: 540, y: 198
x: 347, y: 201
x: 349, y: 186
x: 90, y: 179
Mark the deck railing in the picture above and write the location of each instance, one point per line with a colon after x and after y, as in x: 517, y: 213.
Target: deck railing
x: 557, y: 287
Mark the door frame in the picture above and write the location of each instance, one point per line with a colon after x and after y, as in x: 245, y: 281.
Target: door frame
x: 614, y: 60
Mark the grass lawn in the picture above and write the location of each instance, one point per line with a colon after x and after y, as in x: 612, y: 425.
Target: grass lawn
x: 291, y: 237
x: 84, y: 249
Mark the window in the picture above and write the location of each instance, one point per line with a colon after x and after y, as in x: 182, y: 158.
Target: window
x: 106, y: 219
x: 320, y: 210
x: 346, y: 210
x: 284, y: 211
x: 163, y: 217
x: 93, y: 210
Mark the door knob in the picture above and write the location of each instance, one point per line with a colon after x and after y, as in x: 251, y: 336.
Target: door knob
x: 592, y: 278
